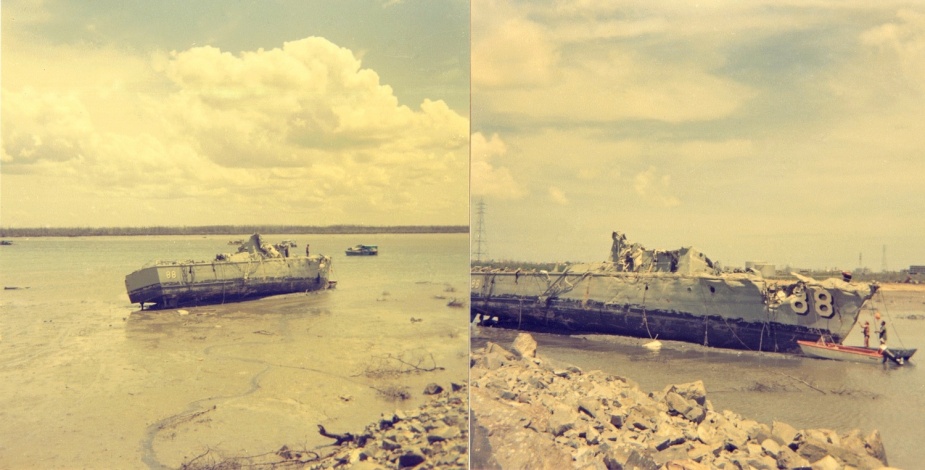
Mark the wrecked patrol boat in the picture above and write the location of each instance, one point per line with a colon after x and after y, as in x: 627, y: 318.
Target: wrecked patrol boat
x: 256, y: 270
x: 670, y: 295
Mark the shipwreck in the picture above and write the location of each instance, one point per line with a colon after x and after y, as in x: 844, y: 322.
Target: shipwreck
x: 670, y: 295
x: 257, y: 269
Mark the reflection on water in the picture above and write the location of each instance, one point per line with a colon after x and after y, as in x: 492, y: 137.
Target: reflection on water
x: 88, y: 381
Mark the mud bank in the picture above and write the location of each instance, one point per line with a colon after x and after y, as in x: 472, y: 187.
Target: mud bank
x: 531, y: 413
x: 434, y: 435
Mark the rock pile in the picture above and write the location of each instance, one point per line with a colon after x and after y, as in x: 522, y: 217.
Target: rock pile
x: 537, y: 415
x: 436, y: 435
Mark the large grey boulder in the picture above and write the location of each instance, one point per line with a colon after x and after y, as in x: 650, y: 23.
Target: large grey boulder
x: 432, y: 389
x: 561, y: 420
x: 627, y: 457
x: 524, y: 345
x: 692, y: 391
x: 783, y: 433
x: 874, y: 446
x: 790, y: 459
x: 494, y: 357
x: 593, y: 408
x: 688, y: 408
x: 826, y: 463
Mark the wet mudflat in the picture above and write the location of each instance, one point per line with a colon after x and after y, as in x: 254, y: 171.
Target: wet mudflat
x: 804, y: 392
x: 87, y: 381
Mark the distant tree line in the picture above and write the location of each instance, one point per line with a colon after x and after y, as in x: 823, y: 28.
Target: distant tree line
x: 226, y: 230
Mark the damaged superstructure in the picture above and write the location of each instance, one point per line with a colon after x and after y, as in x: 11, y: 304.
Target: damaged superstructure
x: 673, y: 294
x: 257, y: 269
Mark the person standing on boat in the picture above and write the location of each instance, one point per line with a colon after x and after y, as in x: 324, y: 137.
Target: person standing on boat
x: 866, y: 331
x: 882, y: 334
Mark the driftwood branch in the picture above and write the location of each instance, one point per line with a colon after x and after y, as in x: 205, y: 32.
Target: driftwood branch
x: 391, y: 364
x: 417, y: 368
x: 345, y: 437
x: 192, y: 462
x: 283, y: 458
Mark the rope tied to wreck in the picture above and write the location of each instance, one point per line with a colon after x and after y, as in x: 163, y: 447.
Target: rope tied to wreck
x: 887, y: 313
x: 767, y: 326
x: 734, y: 335
x: 645, y: 319
x: 726, y: 322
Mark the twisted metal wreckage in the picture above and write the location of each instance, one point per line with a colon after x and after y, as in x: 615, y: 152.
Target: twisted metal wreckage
x: 674, y: 295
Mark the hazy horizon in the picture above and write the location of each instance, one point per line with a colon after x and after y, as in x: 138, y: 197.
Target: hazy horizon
x: 754, y: 131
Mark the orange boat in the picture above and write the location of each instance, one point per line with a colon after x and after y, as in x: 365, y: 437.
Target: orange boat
x: 839, y: 352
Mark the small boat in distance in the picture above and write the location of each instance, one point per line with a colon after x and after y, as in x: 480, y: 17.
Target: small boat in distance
x: 828, y: 350
x: 363, y: 250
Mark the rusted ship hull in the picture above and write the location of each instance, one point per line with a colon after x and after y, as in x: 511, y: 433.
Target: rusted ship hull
x: 254, y: 272
x: 192, y: 284
x: 570, y: 317
x: 678, y: 295
x: 678, y: 308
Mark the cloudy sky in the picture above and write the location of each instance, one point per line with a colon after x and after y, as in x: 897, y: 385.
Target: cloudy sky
x: 791, y: 132
x: 144, y: 113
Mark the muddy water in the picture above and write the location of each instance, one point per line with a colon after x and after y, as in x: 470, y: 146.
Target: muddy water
x: 807, y: 393
x: 87, y: 381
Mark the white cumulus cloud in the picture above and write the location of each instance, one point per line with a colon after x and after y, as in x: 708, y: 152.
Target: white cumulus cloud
x: 304, y: 125
x: 558, y: 196
x: 488, y: 178
x: 651, y: 186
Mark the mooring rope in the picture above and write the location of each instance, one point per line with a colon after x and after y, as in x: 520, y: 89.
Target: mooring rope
x: 895, y: 330
x: 731, y: 330
x: 645, y: 319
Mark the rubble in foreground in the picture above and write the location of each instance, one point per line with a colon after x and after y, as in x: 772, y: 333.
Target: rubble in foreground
x: 436, y: 435
x: 537, y: 415
x: 433, y: 436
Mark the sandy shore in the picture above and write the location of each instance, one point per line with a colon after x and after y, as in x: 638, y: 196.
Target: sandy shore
x: 902, y: 287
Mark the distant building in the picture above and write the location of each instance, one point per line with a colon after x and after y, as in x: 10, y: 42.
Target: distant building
x: 766, y: 270
x: 916, y: 269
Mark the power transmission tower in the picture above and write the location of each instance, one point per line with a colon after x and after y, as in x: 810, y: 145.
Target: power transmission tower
x: 481, y: 248
x: 883, y: 268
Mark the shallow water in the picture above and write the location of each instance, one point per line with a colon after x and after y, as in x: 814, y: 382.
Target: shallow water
x: 804, y: 392
x: 87, y: 381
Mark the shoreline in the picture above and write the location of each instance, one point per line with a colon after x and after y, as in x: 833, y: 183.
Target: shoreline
x: 529, y: 412
x: 434, y: 435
